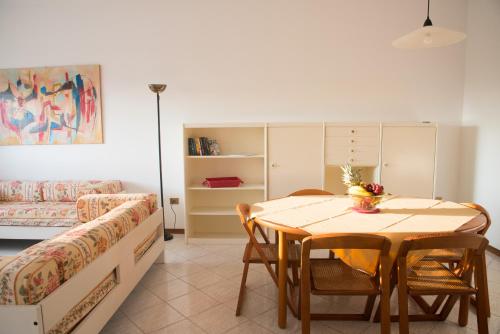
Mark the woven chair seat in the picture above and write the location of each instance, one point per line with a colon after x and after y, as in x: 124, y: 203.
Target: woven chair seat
x: 335, y: 277
x: 430, y: 275
x: 271, y: 253
x: 446, y: 255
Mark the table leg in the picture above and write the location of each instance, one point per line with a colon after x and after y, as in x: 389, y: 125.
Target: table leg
x: 282, y: 276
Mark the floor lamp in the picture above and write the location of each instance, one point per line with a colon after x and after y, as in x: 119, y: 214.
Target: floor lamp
x: 158, y: 88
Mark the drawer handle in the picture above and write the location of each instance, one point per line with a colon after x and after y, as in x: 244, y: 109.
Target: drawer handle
x: 353, y: 131
x: 386, y: 164
x: 351, y: 159
x: 352, y: 141
x: 352, y: 150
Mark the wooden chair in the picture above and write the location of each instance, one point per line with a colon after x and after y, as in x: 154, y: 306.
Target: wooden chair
x: 452, y: 258
x: 313, y: 192
x: 334, y: 277
x: 264, y: 253
x: 310, y: 192
x: 430, y: 277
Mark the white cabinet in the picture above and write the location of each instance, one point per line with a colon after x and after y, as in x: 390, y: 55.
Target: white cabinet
x: 275, y: 160
x: 408, y: 160
x: 357, y: 145
x: 295, y: 158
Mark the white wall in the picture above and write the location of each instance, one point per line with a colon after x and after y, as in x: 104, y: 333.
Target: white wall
x: 231, y: 60
x: 481, y: 116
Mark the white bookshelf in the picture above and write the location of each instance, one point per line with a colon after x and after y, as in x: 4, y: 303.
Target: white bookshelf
x: 210, y: 212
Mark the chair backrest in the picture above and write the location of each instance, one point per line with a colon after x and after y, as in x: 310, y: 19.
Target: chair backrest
x: 484, y: 212
x: 349, y: 241
x: 248, y: 224
x: 310, y: 192
x: 454, y: 240
x: 473, y: 245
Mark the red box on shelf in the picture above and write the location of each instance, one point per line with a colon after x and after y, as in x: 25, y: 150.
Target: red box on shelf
x: 222, y: 182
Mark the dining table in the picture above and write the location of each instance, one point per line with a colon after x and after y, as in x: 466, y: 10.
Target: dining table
x: 296, y: 217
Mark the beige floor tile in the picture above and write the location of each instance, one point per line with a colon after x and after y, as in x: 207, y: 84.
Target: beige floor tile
x: 217, y: 320
x: 269, y: 291
x: 120, y: 326
x: 353, y: 327
x: 183, y: 268
x: 211, y: 260
x: 138, y: 300
x: 193, y: 303
x: 155, y: 276
x: 223, y: 291
x: 249, y: 327
x: 182, y: 327
x: 172, y: 289
x: 256, y: 279
x: 253, y: 304
x: 216, y: 248
x: 231, y: 270
x: 446, y: 328
x: 191, y: 252
x: 202, y: 279
x: 156, y: 317
x: 269, y: 320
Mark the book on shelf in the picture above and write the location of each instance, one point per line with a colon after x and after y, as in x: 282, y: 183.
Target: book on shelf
x: 203, y: 146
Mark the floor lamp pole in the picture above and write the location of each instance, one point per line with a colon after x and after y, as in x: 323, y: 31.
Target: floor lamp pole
x: 158, y: 88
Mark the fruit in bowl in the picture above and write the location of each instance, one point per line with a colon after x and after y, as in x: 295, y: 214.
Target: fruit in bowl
x: 365, y: 196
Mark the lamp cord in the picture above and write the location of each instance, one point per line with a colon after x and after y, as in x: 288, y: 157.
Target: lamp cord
x: 428, y: 6
x: 175, y: 216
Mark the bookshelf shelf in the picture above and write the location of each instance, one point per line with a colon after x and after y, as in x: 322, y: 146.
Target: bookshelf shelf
x: 243, y: 187
x: 210, y: 212
x: 231, y: 156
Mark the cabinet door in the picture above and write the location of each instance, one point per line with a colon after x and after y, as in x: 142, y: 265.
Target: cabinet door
x: 408, y: 160
x: 295, y: 158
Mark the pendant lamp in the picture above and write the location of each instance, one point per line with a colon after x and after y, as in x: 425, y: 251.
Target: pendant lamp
x: 428, y: 36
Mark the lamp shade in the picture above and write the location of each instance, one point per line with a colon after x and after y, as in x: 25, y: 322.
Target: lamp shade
x: 428, y: 37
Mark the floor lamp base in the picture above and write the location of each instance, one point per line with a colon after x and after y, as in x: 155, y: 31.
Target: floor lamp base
x: 167, y: 235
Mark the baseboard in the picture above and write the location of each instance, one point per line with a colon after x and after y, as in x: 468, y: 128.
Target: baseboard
x: 176, y: 230
x: 493, y: 250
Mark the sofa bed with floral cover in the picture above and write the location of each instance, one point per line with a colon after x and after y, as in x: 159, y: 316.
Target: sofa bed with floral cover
x: 75, y: 281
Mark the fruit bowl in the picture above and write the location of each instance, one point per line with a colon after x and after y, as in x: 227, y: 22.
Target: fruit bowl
x: 366, y: 204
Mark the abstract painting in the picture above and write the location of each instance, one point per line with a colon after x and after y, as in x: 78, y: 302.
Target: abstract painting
x: 50, y: 105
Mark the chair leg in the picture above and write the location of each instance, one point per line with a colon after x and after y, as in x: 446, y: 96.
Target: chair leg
x: 486, y: 291
x: 481, y: 296
x: 370, y: 302
x: 403, y: 309
x: 295, y: 273
x: 242, y: 288
x: 305, y: 310
x: 448, y: 306
x: 437, y: 304
x: 463, y: 313
x: 482, y: 319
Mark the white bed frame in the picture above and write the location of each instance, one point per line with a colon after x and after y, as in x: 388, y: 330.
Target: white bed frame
x: 41, y: 317
x: 30, y: 232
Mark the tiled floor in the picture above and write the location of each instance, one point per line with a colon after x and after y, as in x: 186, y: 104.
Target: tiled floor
x: 196, y: 291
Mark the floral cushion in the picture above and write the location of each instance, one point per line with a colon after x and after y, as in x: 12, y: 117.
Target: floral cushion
x: 90, y: 207
x: 38, y: 210
x: 39, y: 270
x: 70, y: 191
x: 40, y: 222
x: 21, y: 191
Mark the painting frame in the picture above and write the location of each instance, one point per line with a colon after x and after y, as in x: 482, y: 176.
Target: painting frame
x: 51, y: 105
